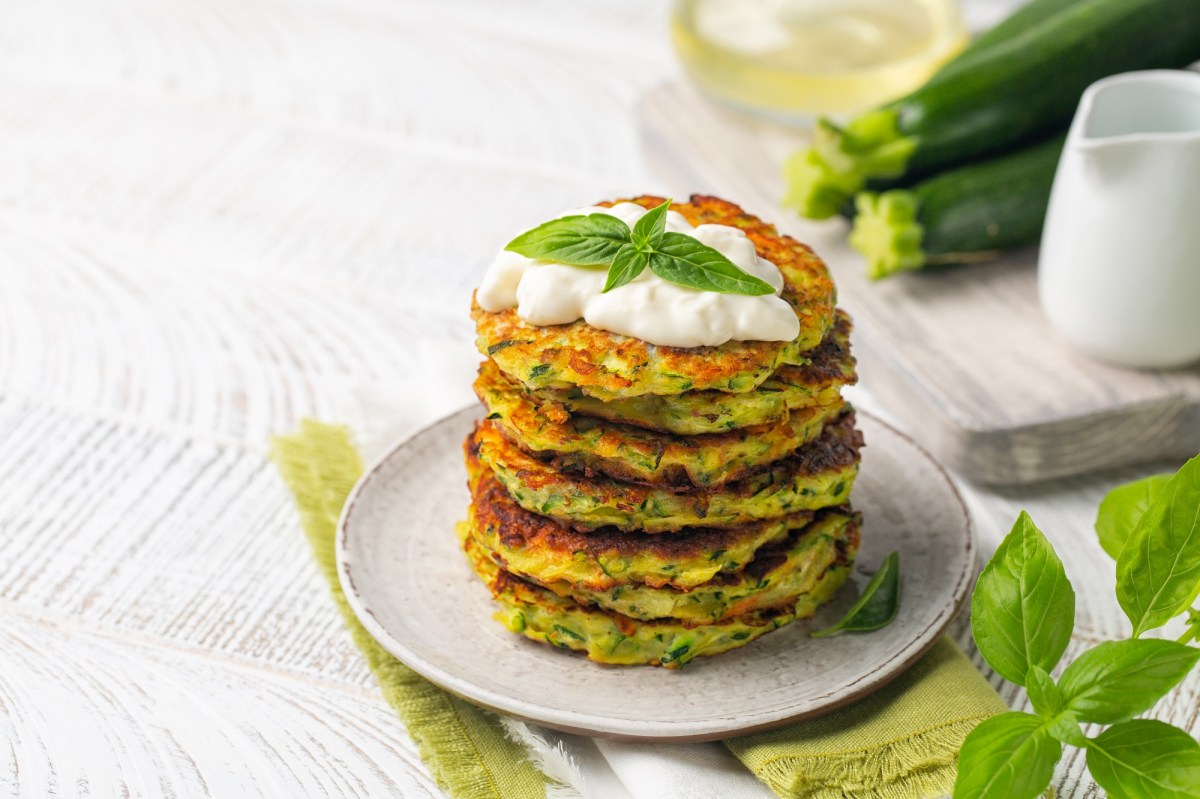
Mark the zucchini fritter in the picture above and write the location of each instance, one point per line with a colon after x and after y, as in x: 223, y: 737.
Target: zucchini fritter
x: 818, y: 475
x: 830, y: 367
x: 781, y: 572
x: 608, y: 637
x: 608, y: 365
x: 529, y: 543
x: 590, y: 445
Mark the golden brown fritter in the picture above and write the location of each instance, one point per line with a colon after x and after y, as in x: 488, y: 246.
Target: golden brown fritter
x: 608, y: 637
x: 781, y: 571
x: 818, y: 475
x: 608, y: 365
x: 830, y: 367
x: 532, y: 544
x: 584, y: 444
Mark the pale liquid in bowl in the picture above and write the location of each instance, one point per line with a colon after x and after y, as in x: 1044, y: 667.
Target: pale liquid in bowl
x: 793, y: 59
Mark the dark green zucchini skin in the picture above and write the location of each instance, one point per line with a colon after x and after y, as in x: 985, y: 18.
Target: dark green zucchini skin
x: 960, y: 216
x: 1028, y: 16
x: 988, y: 206
x: 1028, y: 83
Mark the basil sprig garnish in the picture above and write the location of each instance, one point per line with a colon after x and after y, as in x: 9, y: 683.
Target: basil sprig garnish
x: 1022, y: 616
x: 591, y: 240
x: 603, y: 240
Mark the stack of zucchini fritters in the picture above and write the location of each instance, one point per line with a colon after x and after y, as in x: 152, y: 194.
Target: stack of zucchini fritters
x: 649, y: 504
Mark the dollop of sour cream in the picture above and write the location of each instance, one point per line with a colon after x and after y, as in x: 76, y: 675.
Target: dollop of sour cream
x: 648, y: 307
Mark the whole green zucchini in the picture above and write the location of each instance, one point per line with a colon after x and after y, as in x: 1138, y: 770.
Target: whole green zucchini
x: 813, y: 189
x: 1008, y: 92
x: 964, y: 215
x: 1028, y: 16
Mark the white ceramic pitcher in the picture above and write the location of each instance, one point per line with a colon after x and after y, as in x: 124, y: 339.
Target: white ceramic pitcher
x: 1119, y: 269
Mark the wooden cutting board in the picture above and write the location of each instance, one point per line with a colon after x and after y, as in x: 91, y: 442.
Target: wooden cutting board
x: 964, y: 356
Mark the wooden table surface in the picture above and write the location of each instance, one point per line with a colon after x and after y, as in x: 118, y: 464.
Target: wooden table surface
x: 220, y: 216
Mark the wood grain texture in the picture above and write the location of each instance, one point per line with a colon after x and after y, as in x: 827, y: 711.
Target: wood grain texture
x: 215, y: 218
x: 164, y: 634
x: 964, y: 355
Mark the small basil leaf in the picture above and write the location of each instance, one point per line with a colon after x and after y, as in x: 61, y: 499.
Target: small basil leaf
x: 1011, y: 755
x: 1043, y: 693
x: 1145, y: 759
x: 1065, y: 727
x: 628, y: 264
x: 1192, y: 633
x: 591, y: 240
x: 1117, y: 680
x: 1158, y: 571
x: 648, y: 231
x: 685, y: 261
x: 878, y: 604
x: 1023, y: 606
x: 1047, y: 700
x: 1121, y: 509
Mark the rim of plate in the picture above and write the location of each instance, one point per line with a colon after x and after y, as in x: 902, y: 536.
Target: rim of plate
x: 614, y: 728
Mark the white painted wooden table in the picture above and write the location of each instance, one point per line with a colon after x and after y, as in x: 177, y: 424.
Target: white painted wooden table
x: 219, y: 216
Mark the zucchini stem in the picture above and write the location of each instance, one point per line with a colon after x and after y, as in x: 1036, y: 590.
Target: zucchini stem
x: 813, y: 188
x: 887, y: 233
x: 822, y: 178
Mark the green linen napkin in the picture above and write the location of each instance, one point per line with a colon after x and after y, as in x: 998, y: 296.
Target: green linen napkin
x: 464, y: 747
x: 900, y: 743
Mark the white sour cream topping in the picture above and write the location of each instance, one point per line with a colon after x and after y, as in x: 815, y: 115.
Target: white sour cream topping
x: 648, y: 307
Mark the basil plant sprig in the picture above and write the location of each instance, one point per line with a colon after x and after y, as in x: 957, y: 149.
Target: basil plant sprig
x: 1022, y: 616
x: 604, y: 240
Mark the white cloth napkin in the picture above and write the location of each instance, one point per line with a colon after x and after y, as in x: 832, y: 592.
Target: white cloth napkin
x: 681, y: 771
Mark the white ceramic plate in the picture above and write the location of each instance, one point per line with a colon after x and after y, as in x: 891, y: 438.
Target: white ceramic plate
x: 410, y: 585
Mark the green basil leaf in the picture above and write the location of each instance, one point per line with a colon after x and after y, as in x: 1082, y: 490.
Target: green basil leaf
x: 648, y: 231
x: 628, y: 264
x: 1192, y: 633
x: 591, y: 240
x: 1158, y: 571
x: 1145, y: 759
x: 1011, y: 755
x: 1043, y: 693
x: 684, y: 261
x: 1023, y: 606
x: 1047, y: 700
x: 878, y: 604
x: 1117, y: 680
x: 1121, y: 509
x: 1065, y: 727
